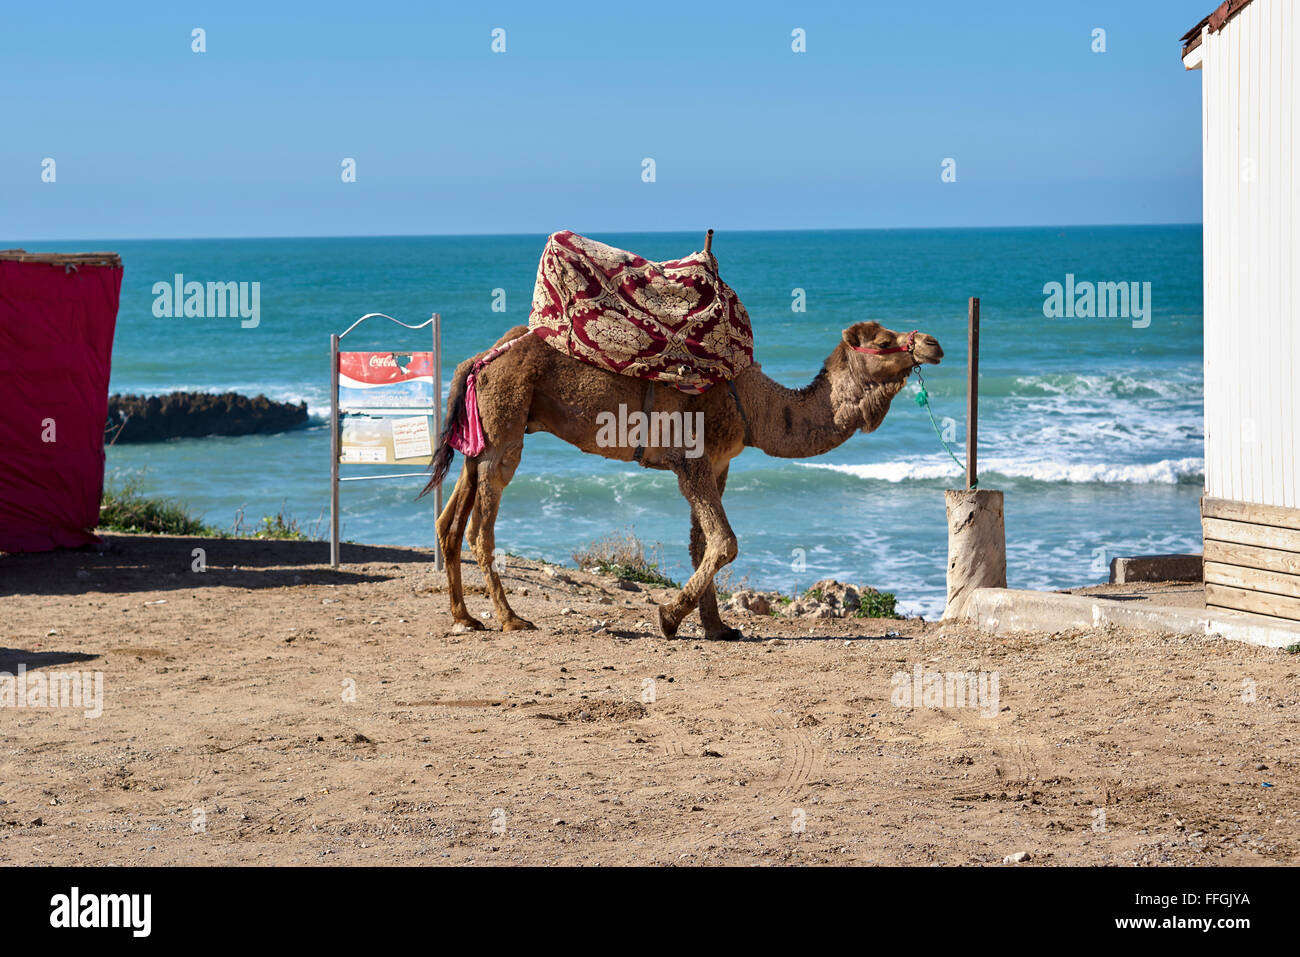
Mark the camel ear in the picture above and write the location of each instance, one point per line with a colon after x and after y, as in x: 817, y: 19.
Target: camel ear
x: 861, y: 334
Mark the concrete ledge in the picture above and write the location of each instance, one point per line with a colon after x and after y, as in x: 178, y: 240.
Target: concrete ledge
x: 1155, y: 568
x: 1007, y: 609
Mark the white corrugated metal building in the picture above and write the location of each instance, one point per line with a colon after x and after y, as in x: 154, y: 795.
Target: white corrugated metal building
x: 1247, y: 52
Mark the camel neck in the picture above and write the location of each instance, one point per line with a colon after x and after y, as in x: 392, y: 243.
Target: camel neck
x: 794, y: 423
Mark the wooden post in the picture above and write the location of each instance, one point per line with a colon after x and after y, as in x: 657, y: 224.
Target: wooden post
x: 977, y: 545
x: 977, y: 540
x: 972, y: 387
x: 708, y: 243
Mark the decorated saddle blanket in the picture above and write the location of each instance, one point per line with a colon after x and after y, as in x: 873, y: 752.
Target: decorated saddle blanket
x: 673, y: 322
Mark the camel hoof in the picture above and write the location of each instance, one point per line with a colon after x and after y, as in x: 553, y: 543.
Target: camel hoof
x: 727, y: 634
x: 667, y: 628
x: 473, y: 624
x: 518, y: 624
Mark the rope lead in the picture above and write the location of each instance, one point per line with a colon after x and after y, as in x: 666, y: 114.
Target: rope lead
x: 923, y: 400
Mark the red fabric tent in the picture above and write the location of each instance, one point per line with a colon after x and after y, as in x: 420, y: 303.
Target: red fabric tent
x: 57, y: 316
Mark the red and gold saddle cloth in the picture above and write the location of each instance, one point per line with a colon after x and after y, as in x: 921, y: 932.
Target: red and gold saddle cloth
x: 672, y: 322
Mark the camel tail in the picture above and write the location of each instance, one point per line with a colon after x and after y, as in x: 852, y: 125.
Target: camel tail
x: 442, y: 457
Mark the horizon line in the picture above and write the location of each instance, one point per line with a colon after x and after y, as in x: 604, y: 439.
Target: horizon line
x: 491, y: 235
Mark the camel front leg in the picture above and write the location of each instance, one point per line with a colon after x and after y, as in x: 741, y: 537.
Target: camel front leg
x: 696, y: 481
x: 715, y: 629
x: 451, y: 533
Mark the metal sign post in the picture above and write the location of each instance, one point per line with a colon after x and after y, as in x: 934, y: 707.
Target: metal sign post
x: 389, y: 450
x: 334, y: 450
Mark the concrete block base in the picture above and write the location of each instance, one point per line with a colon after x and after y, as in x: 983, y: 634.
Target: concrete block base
x: 1155, y: 568
x: 1008, y: 609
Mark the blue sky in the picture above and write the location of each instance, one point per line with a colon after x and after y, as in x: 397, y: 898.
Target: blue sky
x: 153, y: 140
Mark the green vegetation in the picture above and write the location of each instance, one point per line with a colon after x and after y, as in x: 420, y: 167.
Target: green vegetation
x: 877, y: 604
x: 623, y: 556
x: 1293, y: 649
x: 124, y: 508
x: 281, y: 525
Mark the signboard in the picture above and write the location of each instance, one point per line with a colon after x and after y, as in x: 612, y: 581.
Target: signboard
x: 384, y: 411
x: 378, y: 392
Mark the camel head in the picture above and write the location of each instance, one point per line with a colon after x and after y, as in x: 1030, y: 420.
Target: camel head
x: 880, y: 355
x: 869, y: 367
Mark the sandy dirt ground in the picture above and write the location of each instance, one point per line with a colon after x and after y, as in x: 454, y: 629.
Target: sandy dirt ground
x: 269, y: 710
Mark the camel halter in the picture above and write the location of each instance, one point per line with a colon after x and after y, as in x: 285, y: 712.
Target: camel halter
x: 911, y: 341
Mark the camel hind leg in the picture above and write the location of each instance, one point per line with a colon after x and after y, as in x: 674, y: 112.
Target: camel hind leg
x: 496, y: 469
x: 451, y: 533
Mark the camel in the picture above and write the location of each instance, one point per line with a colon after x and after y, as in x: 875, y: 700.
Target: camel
x: 533, y: 387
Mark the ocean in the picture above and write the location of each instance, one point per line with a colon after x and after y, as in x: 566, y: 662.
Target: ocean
x: 1091, y: 426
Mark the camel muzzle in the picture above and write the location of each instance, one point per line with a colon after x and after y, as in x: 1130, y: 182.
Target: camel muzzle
x: 927, y: 350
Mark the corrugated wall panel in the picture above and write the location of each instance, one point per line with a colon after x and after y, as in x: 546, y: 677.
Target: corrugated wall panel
x: 1252, y: 401
x: 1288, y: 33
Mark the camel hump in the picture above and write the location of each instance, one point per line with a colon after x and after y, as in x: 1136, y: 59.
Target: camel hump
x: 674, y: 322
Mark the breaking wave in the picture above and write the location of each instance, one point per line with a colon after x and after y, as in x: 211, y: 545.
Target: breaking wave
x: 1165, y: 472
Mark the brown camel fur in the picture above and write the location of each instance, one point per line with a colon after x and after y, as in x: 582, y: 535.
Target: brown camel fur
x: 535, y: 388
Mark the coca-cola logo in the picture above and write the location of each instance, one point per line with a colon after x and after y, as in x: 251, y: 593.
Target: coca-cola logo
x: 400, y: 361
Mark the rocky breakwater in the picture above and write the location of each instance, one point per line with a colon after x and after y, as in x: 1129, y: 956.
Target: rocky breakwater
x: 156, y: 418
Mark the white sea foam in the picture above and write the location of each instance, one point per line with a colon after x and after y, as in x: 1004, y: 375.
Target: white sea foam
x: 1169, y: 384
x: 1164, y: 472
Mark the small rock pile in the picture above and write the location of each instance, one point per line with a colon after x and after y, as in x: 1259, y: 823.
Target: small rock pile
x: 827, y: 598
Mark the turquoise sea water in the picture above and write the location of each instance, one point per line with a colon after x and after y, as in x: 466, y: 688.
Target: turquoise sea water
x: 1092, y: 427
